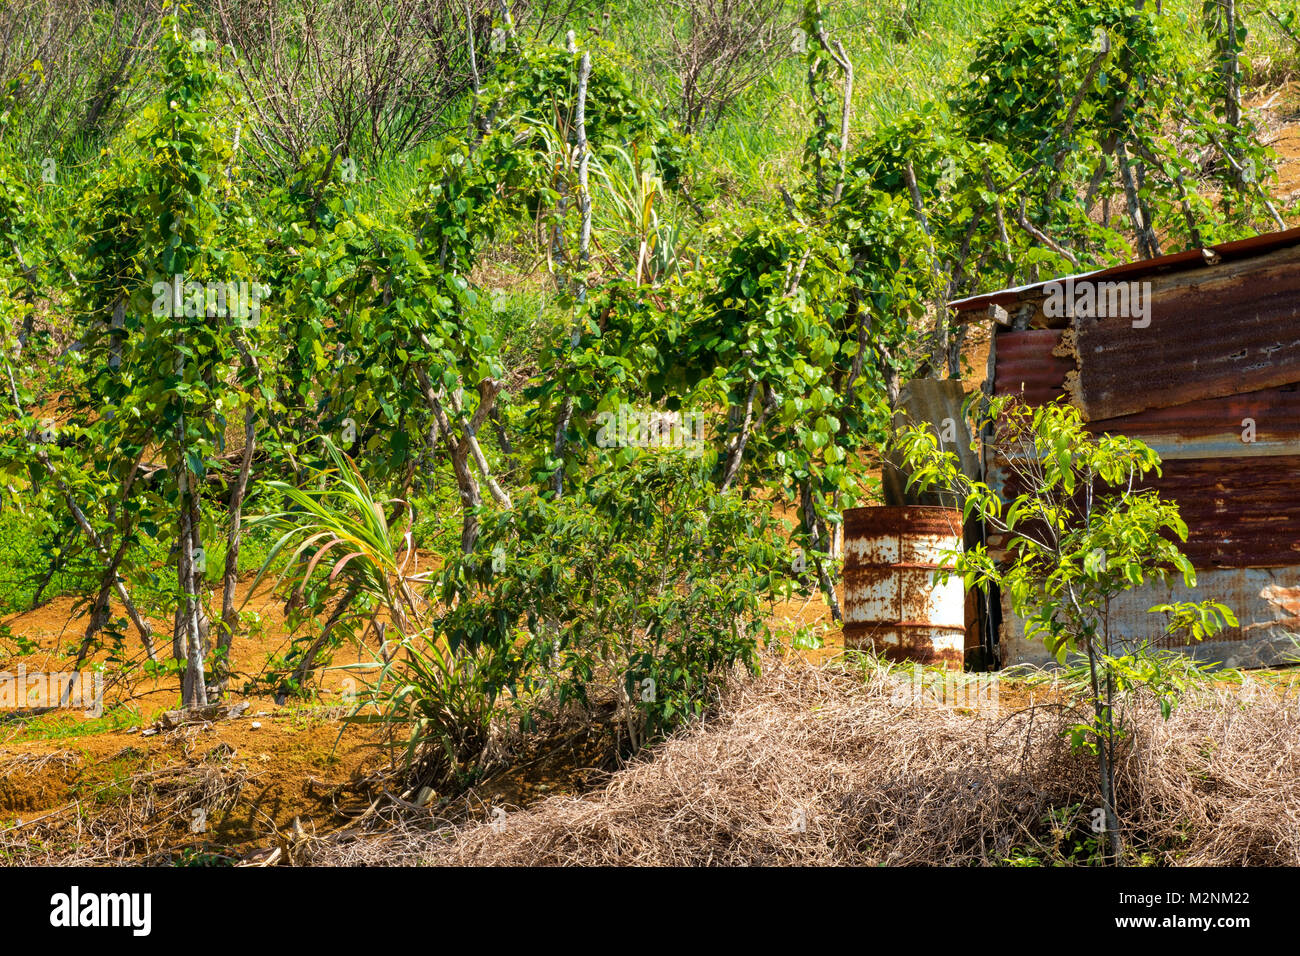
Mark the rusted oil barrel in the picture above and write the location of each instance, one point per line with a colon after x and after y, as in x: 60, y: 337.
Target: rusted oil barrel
x: 891, y: 601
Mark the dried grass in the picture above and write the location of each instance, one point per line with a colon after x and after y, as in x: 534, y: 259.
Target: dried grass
x: 807, y: 766
x: 811, y: 766
x: 133, y: 820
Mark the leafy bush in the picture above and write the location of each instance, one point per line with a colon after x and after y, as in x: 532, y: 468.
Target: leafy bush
x: 648, y: 583
x: 647, y: 578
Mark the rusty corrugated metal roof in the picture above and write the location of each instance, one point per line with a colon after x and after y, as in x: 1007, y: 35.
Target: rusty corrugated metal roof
x: 1256, y: 424
x: 1221, y: 332
x: 1211, y: 382
x: 1024, y: 365
x: 1143, y: 268
x: 1240, y: 498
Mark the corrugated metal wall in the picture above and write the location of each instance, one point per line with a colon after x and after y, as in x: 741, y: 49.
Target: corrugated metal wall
x: 1210, y: 384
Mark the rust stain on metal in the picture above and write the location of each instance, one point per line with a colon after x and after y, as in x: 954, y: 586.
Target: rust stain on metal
x: 906, y: 519
x: 1275, y: 413
x: 1286, y: 600
x: 1026, y: 364
x: 1239, y: 512
x: 1258, y: 423
x: 1205, y: 340
x: 900, y: 644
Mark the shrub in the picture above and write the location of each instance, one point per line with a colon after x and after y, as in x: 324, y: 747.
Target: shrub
x: 647, y: 578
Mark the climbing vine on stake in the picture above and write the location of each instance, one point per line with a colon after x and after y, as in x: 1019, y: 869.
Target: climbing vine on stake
x: 167, y: 296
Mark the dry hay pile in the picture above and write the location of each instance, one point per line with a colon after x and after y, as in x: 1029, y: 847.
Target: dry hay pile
x: 811, y: 766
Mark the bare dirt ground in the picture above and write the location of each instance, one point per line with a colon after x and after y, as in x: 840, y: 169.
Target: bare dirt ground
x: 225, y: 790
x: 277, y: 761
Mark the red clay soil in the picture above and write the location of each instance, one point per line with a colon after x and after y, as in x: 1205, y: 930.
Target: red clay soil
x: 289, y: 765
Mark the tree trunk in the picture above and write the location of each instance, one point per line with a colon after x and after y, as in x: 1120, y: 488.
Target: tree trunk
x: 56, y: 565
x: 471, y: 498
x: 141, y: 625
x: 584, y: 246
x: 229, y: 614
x: 99, y: 610
x: 1103, y: 714
x: 1231, y: 68
x: 1141, y: 228
x: 737, y: 452
x: 193, y: 687
x: 188, y: 638
x: 815, y: 528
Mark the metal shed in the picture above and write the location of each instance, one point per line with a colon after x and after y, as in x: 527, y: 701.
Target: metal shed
x: 1205, y: 368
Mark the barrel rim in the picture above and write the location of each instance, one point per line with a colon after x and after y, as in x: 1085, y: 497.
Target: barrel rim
x: 903, y: 519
